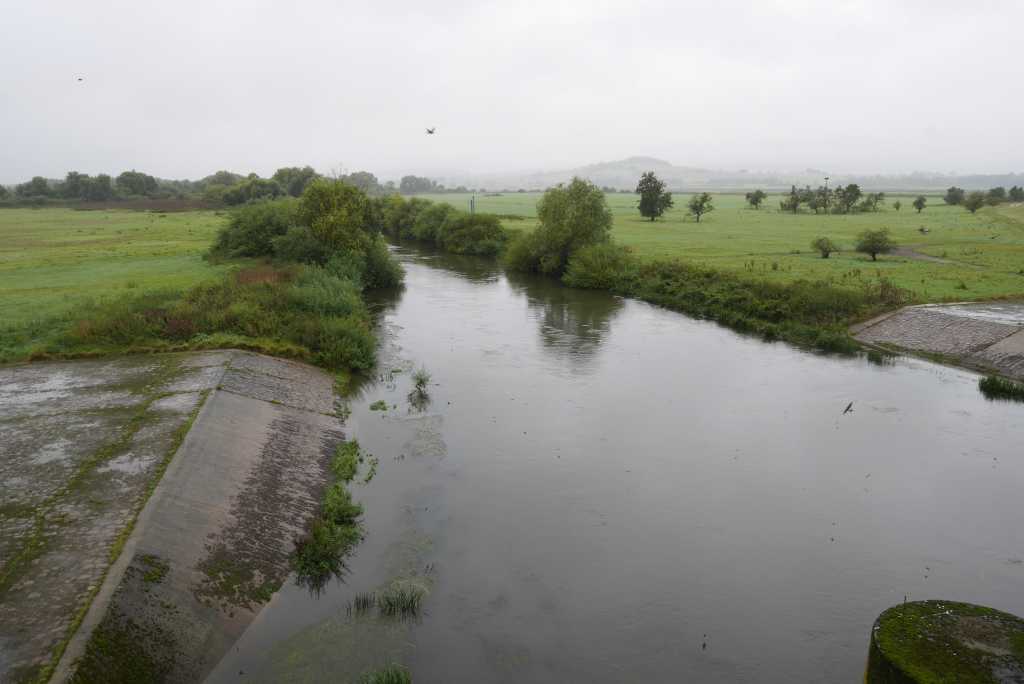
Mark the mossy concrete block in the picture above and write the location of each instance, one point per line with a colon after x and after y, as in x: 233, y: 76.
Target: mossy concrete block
x: 927, y: 642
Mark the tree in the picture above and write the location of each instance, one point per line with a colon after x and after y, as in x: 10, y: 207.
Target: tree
x: 874, y: 242
x: 72, y: 187
x: 3, y: 192
x: 339, y: 215
x: 996, y: 196
x: 755, y: 198
x: 954, y: 195
x: 974, y: 201
x: 653, y: 198
x: 847, y: 196
x: 919, y: 203
x: 365, y: 181
x: 413, y: 184
x: 871, y: 201
x: 700, y: 205
x: 571, y: 217
x: 820, y: 199
x: 252, y: 188
x: 897, y: 205
x: 793, y: 200
x: 824, y: 246
x: 37, y: 187
x: 97, y: 189
x: 1017, y: 194
x: 135, y: 183
x: 294, y: 179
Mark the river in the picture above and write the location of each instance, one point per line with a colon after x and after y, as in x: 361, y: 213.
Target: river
x: 600, y: 490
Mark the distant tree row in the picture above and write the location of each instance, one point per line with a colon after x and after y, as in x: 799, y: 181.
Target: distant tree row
x: 81, y: 186
x: 976, y: 200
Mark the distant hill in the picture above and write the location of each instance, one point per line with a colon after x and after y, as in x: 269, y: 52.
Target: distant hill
x: 624, y: 173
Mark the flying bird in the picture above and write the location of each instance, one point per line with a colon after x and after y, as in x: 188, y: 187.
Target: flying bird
x: 80, y: 79
x: 849, y: 408
x: 430, y: 131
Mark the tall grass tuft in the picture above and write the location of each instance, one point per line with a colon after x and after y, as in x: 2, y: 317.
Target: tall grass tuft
x: 401, y: 600
x: 391, y: 674
x: 995, y: 387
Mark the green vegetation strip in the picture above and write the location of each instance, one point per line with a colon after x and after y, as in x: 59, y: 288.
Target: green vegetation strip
x: 995, y: 387
x: 320, y: 554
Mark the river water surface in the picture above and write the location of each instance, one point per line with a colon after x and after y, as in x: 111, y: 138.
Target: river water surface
x: 600, y: 490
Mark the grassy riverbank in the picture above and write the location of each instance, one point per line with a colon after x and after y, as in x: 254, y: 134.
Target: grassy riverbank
x: 960, y: 256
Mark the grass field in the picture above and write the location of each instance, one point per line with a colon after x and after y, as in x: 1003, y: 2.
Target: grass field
x: 54, y: 260
x: 982, y: 255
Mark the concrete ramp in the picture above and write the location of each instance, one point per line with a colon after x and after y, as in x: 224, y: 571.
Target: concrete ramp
x: 213, y: 543
x: 984, y: 335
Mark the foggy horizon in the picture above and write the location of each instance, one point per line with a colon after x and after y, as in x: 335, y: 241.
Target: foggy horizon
x: 181, y: 91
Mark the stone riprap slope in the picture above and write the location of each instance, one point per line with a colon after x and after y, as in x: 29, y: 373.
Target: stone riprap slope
x: 985, y: 335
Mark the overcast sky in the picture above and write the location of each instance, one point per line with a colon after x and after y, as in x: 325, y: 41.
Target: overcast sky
x: 180, y: 89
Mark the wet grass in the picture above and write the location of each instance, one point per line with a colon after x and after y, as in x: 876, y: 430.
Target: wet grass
x: 997, y: 388
x: 390, y: 674
x: 421, y: 379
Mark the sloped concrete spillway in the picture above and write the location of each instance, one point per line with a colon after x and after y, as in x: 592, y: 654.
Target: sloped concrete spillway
x: 86, y: 442
x: 984, y: 335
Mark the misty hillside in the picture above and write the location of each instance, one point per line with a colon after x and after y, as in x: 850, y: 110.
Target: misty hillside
x: 624, y: 173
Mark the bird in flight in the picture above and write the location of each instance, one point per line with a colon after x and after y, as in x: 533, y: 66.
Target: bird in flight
x: 849, y: 408
x: 80, y: 79
x: 430, y: 131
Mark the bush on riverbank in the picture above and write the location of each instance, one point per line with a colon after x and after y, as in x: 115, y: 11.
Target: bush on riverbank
x: 308, y: 306
x: 813, y: 314
x: 571, y: 217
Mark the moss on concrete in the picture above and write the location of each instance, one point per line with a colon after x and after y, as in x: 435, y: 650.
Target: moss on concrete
x: 939, y: 642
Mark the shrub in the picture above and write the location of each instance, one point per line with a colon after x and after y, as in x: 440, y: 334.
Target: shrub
x: 252, y: 229
x: 601, y: 267
x: 480, y: 234
x: 299, y: 244
x: 874, y: 242
x: 380, y: 268
x: 824, y: 246
x: 571, y: 217
x: 429, y: 222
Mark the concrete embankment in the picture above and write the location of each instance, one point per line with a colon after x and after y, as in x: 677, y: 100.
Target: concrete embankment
x: 212, y: 542
x: 985, y: 336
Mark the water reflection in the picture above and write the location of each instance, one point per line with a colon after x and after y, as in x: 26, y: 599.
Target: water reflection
x: 572, y: 324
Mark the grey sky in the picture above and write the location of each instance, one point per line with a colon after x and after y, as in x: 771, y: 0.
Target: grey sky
x: 180, y: 89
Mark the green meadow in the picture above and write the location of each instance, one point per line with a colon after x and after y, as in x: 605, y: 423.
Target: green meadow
x: 976, y: 256
x: 52, y: 261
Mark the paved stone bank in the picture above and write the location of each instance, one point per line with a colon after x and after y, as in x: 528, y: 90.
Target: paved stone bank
x: 988, y: 336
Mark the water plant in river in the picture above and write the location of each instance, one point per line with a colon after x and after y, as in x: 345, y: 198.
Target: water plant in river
x: 379, y: 405
x: 420, y: 380
x: 391, y: 674
x: 362, y: 603
x: 320, y: 554
x: 995, y: 387
x: 401, y: 600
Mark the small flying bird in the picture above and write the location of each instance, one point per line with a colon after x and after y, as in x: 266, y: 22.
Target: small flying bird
x: 430, y: 131
x: 79, y: 79
x: 849, y: 408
